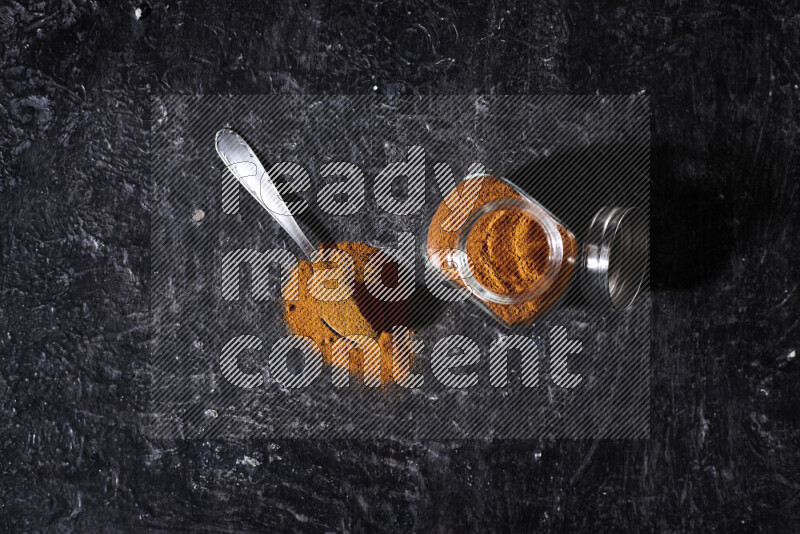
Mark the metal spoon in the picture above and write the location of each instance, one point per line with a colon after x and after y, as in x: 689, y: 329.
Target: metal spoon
x: 248, y: 170
x: 243, y: 163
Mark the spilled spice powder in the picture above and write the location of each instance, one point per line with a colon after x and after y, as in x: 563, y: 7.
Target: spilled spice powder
x: 507, y: 248
x: 359, y: 315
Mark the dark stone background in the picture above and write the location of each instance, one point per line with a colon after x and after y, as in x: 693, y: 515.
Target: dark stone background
x: 74, y: 324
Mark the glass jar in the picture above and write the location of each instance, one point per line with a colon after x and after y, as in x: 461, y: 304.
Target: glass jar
x: 516, y: 259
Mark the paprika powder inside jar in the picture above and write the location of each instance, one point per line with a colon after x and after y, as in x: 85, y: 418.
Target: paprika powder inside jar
x: 517, y: 259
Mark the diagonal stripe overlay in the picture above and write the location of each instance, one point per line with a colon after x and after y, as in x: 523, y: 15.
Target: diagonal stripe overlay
x: 364, y: 168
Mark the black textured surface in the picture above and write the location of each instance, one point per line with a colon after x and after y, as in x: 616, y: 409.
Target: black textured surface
x: 74, y: 322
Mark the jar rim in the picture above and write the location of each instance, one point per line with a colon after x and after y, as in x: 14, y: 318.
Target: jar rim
x: 555, y: 256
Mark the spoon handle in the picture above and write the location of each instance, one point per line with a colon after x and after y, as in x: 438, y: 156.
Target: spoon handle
x: 244, y: 165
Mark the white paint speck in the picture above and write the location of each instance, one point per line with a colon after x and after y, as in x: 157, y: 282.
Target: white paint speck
x: 92, y: 242
x: 374, y: 87
x: 198, y: 215
x: 248, y: 461
x: 210, y: 413
x: 791, y: 355
x: 138, y: 13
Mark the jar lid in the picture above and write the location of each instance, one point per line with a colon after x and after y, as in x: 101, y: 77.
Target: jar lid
x: 615, y: 257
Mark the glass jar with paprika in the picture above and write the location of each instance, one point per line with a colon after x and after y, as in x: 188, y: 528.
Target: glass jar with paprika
x: 517, y: 259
